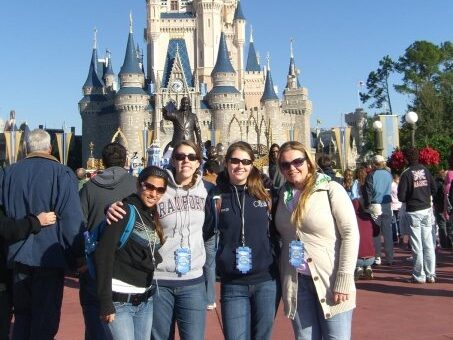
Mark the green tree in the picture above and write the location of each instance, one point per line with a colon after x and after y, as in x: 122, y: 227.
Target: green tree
x: 427, y: 76
x: 377, y: 84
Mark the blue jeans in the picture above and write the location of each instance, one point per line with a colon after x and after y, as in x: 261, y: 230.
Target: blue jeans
x: 382, y: 216
x: 95, y: 329
x: 185, y: 305
x: 37, y: 298
x: 248, y: 311
x: 421, y: 236
x: 132, y: 322
x: 365, y: 262
x: 209, y: 269
x: 309, y: 322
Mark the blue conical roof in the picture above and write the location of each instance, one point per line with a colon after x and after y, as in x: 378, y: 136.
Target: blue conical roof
x: 93, y: 79
x: 238, y: 14
x: 131, y: 64
x: 223, y: 63
x: 252, y: 60
x: 269, y: 92
x: 109, y: 69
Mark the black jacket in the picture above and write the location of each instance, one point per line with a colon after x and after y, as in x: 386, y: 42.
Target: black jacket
x: 259, y: 236
x: 416, y: 187
x: 11, y: 231
x: 133, y: 263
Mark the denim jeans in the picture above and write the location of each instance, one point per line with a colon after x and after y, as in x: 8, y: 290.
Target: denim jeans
x: 365, y: 262
x: 185, y: 305
x: 95, y: 329
x: 421, y: 237
x: 209, y: 269
x: 5, y: 313
x: 37, y: 298
x: 248, y: 311
x: 382, y: 215
x: 132, y: 322
x: 309, y: 322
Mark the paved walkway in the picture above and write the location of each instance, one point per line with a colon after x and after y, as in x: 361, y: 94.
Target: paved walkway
x: 387, y: 308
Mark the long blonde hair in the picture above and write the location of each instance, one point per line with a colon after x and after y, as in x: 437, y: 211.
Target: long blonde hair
x: 309, y: 182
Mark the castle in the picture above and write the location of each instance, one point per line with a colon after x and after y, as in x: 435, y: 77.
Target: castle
x: 194, y: 49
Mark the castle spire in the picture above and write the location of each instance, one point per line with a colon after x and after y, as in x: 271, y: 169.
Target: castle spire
x: 293, y: 79
x: 130, y: 22
x: 95, y: 41
x: 131, y: 62
x: 269, y: 91
x: 238, y: 14
x: 252, y: 59
x: 93, y: 80
x: 109, y: 69
x: 223, y: 63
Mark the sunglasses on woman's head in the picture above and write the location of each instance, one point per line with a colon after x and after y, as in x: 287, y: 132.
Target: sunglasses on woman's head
x: 182, y: 156
x: 297, y: 163
x: 243, y: 161
x: 150, y: 187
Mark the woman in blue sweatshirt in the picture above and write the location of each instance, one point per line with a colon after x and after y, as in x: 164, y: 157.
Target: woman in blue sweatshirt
x: 245, y: 260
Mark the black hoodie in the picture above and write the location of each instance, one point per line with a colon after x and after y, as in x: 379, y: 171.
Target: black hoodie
x: 113, y: 184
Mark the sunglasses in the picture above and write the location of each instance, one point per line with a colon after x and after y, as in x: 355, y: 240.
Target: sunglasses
x: 243, y: 161
x: 150, y: 187
x: 182, y: 156
x: 297, y: 163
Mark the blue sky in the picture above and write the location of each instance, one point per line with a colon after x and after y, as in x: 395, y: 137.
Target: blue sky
x: 46, y: 48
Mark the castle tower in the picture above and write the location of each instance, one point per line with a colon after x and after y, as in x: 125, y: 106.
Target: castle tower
x: 131, y: 101
x: 225, y: 99
x: 239, y: 40
x: 296, y: 106
x: 91, y: 103
x: 271, y: 105
x: 209, y: 23
x: 152, y: 34
x: 253, y: 77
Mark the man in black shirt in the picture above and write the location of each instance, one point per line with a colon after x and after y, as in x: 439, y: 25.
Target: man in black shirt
x: 415, y: 189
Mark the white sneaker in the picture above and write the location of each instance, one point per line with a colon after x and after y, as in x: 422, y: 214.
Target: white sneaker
x: 358, y: 274
x: 377, y: 261
x: 211, y: 306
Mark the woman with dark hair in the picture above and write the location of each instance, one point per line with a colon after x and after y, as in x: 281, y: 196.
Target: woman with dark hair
x: 124, y: 275
x: 246, y: 262
x: 183, y: 211
x: 274, y: 172
x: 320, y: 241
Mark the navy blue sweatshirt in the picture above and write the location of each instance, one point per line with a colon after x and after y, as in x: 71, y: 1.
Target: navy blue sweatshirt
x: 258, y: 231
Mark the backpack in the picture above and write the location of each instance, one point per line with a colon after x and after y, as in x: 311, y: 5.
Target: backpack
x: 93, y: 236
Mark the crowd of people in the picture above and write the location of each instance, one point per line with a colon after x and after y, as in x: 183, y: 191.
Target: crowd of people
x: 301, y: 234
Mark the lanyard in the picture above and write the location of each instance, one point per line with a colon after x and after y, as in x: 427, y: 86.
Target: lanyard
x: 242, y: 210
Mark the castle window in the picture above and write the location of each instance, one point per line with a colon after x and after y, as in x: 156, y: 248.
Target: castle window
x: 174, y: 5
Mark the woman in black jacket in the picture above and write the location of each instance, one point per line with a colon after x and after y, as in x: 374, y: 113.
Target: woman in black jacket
x: 245, y: 258
x: 125, y: 274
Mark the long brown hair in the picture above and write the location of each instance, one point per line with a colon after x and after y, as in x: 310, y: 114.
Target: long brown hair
x: 255, y: 184
x: 309, y: 183
x: 197, y: 150
x: 154, y: 171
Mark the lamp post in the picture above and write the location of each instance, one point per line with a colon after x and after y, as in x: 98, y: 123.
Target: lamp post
x: 378, y: 142
x: 411, y: 118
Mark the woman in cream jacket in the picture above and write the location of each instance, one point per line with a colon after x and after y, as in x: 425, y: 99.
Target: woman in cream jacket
x: 319, y: 292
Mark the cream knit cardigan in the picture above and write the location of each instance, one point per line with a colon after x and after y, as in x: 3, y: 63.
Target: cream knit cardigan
x: 330, y: 235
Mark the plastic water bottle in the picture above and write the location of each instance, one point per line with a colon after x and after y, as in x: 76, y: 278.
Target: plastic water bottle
x: 90, y: 243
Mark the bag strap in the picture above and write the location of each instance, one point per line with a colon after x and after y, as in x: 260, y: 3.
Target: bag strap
x: 129, y: 227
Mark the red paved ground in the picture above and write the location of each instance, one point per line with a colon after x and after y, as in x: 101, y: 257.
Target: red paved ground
x: 388, y: 307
